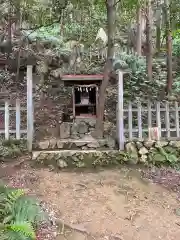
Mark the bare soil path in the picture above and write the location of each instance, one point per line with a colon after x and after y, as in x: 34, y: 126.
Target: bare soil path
x: 111, y: 204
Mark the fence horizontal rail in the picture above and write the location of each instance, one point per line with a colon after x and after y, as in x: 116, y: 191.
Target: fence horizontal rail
x: 14, y: 131
x: 147, y: 130
x: 13, y: 109
x: 152, y: 110
x: 146, y: 139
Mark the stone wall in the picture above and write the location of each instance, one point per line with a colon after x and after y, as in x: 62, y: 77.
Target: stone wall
x: 77, y: 129
x: 155, y: 152
x: 78, y: 135
x: 77, y: 159
x: 147, y: 153
x: 82, y: 127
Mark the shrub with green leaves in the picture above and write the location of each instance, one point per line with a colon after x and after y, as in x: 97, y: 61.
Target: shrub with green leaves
x: 176, y: 42
x: 12, y: 148
x: 19, y: 215
x: 46, y: 34
x: 136, y: 84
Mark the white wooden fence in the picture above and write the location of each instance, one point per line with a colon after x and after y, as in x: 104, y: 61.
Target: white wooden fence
x: 141, y: 121
x: 6, y: 111
x: 162, y: 117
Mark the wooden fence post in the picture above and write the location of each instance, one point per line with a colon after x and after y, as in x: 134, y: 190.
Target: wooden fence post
x: 177, y: 118
x: 139, y: 121
x: 29, y: 109
x: 167, y: 120
x: 18, y: 119
x: 6, y: 119
x: 158, y: 119
x: 130, y: 120
x: 120, y: 111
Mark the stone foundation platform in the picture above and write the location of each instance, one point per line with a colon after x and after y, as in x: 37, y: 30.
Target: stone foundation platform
x: 85, y: 143
x: 77, y: 159
x: 145, y: 152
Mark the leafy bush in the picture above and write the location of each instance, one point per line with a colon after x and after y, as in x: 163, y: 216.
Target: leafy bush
x: 176, y: 42
x: 176, y: 46
x: 136, y: 84
x: 19, y: 215
x: 164, y: 155
x: 12, y: 148
x: 45, y: 34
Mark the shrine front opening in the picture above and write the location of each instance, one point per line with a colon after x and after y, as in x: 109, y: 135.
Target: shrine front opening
x: 85, y: 92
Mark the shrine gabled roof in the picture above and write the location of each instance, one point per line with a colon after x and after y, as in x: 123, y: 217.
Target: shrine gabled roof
x: 94, y: 77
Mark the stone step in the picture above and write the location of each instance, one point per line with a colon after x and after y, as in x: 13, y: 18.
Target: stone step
x: 77, y: 158
x: 85, y: 143
x: 71, y: 152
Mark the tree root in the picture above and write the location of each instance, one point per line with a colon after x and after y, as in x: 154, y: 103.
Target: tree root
x: 76, y: 227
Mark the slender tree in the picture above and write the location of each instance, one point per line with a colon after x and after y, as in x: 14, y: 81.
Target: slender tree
x: 158, y: 26
x: 110, y: 6
x: 9, y: 39
x: 167, y: 19
x: 149, y: 24
x: 139, y: 30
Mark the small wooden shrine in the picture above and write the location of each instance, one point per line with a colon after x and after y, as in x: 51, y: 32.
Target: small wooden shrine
x: 85, y: 92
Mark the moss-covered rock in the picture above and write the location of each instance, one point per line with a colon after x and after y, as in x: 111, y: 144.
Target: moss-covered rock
x: 132, y: 151
x: 80, y: 159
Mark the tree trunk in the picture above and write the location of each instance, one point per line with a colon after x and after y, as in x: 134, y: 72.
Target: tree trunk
x: 19, y: 17
x: 9, y: 38
x: 108, y: 67
x: 139, y: 31
x: 168, y: 47
x: 169, y: 61
x: 149, y: 39
x: 158, y: 39
x: 158, y: 29
x: 62, y: 24
x: 19, y: 52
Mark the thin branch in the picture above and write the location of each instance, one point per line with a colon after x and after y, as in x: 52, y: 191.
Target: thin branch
x: 42, y: 25
x: 116, y: 3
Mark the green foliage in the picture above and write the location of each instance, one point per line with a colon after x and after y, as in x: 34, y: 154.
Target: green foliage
x: 73, y: 29
x: 164, y: 155
x: 18, y: 230
x: 169, y: 155
x: 135, y: 63
x: 136, y: 84
x: 19, y: 215
x: 12, y: 148
x: 176, y: 42
x: 46, y: 34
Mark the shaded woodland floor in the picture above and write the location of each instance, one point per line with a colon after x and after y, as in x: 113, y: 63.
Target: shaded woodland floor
x: 106, y: 204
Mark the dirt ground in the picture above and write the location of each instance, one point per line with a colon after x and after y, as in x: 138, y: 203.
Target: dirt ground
x: 110, y: 204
